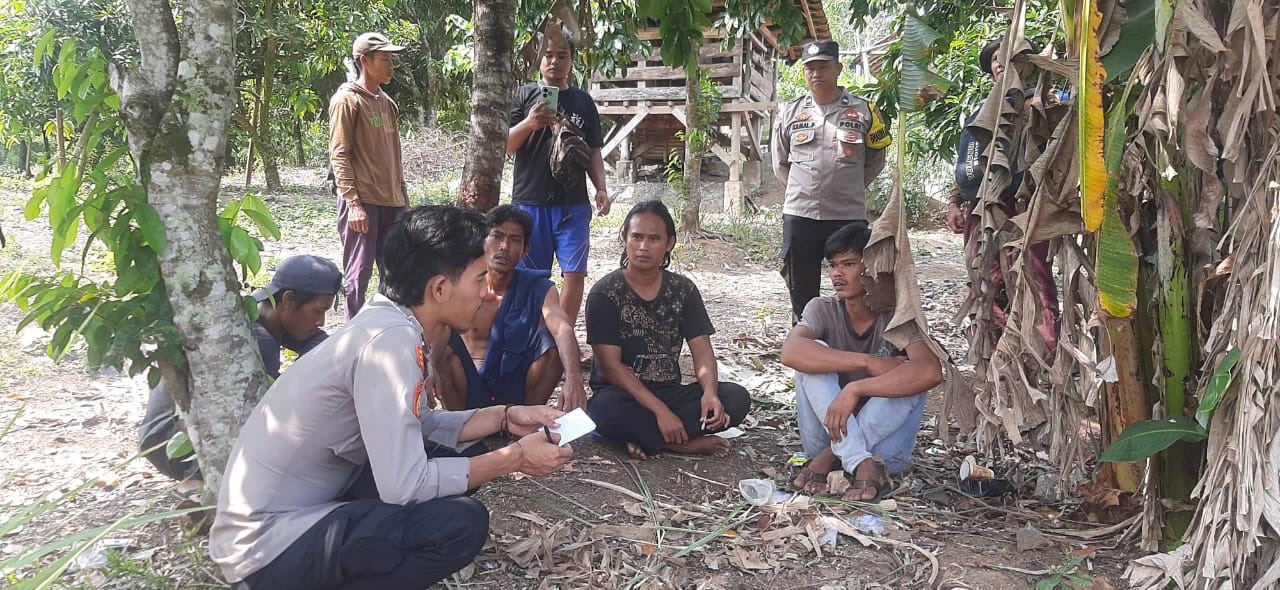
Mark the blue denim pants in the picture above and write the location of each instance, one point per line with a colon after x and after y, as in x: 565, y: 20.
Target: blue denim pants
x: 885, y: 427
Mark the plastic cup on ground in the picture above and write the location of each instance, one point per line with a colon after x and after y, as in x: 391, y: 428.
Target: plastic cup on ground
x: 757, y: 492
x: 970, y: 470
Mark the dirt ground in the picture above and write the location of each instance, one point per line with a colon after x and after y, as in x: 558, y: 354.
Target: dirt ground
x: 605, y: 521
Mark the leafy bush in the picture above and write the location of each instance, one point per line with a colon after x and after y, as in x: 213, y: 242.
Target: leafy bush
x: 923, y: 192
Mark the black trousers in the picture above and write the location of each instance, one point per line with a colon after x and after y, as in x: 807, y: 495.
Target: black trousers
x: 159, y: 425
x: 620, y: 418
x: 370, y: 544
x: 803, y: 242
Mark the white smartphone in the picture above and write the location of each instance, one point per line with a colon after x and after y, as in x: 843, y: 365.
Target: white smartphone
x: 551, y: 96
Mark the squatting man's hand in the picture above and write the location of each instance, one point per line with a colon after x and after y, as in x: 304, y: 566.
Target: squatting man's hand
x: 672, y: 429
x: 837, y: 420
x: 714, y: 414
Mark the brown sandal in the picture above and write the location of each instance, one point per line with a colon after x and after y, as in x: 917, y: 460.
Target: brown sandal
x: 882, y: 484
x: 811, y: 478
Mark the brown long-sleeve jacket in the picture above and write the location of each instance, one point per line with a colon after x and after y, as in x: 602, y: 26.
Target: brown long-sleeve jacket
x: 364, y: 147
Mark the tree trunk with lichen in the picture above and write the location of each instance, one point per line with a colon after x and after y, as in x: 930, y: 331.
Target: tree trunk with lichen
x: 491, y: 100
x: 691, y: 208
x: 176, y: 103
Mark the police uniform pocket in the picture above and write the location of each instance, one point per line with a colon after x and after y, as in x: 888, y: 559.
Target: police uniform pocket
x: 802, y: 145
x: 850, y: 147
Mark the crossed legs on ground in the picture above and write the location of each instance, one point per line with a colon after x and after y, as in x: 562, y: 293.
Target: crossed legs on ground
x: 620, y: 418
x: 884, y: 428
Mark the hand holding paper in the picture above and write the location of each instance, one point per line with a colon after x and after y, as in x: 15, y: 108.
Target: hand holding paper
x: 574, y: 425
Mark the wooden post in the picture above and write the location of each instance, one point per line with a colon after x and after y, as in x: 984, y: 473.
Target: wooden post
x: 625, y: 170
x: 733, y: 197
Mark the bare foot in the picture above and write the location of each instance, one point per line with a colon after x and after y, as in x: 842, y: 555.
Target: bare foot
x: 636, y: 453
x: 712, y: 446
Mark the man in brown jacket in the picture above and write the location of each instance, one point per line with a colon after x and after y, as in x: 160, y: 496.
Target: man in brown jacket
x: 364, y: 151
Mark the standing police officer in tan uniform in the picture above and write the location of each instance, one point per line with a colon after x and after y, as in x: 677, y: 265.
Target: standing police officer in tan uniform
x: 827, y: 147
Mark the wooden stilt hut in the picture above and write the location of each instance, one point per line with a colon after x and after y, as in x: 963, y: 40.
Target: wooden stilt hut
x: 647, y: 105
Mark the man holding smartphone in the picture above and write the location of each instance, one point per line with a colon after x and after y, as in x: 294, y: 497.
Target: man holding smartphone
x: 543, y: 114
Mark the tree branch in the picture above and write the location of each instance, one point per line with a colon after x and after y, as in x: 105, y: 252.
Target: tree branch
x: 146, y: 90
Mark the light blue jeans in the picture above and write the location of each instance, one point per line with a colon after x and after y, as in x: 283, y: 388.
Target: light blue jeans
x: 885, y: 427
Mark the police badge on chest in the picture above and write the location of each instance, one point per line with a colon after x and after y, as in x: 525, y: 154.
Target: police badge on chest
x: 851, y: 129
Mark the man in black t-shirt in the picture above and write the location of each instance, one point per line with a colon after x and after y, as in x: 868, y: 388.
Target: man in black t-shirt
x: 561, y: 211
x: 638, y: 319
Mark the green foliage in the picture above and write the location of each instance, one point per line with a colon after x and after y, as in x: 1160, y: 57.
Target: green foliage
x: 1066, y: 576
x: 1144, y: 439
x: 699, y: 140
x: 681, y: 23
x: 756, y: 235
x: 1136, y: 35
x: 125, y: 320
x: 432, y: 193
x: 179, y: 446
x: 918, y: 85
x: 921, y: 209
x: 964, y: 27
x: 1218, y: 385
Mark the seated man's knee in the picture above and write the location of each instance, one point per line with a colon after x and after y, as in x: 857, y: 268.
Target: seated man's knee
x: 736, y: 400
x: 549, y: 364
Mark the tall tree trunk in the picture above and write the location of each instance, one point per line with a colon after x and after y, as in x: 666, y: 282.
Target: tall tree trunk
x: 24, y: 158
x: 266, y: 144
x: 177, y: 135
x: 691, y: 211
x: 300, y: 154
x: 490, y: 100
x: 421, y: 103
x: 252, y: 152
x: 60, y: 126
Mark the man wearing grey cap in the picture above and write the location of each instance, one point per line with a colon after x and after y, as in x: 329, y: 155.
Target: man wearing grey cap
x: 364, y: 152
x: 291, y: 310
x: 827, y: 145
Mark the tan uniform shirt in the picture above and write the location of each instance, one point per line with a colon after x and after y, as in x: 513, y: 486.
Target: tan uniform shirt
x: 821, y: 154
x: 364, y: 147
x: 353, y: 400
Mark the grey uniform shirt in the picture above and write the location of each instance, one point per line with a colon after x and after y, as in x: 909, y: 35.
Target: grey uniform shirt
x: 828, y: 319
x: 820, y: 154
x: 351, y: 401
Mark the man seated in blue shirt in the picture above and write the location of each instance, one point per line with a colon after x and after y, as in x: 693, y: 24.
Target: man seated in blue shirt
x: 521, y: 341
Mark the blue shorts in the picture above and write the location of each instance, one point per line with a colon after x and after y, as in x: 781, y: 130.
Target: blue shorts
x: 562, y: 231
x: 482, y: 392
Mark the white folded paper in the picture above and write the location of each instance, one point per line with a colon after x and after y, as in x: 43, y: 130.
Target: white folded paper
x: 573, y: 426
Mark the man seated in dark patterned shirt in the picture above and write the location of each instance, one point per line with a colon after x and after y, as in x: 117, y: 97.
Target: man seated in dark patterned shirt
x: 638, y: 319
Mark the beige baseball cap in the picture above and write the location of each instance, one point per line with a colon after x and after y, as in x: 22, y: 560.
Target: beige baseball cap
x: 372, y: 42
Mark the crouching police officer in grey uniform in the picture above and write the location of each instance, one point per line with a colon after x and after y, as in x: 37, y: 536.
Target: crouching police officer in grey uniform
x: 827, y: 146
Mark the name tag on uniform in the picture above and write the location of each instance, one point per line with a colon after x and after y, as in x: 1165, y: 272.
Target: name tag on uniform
x: 801, y: 125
